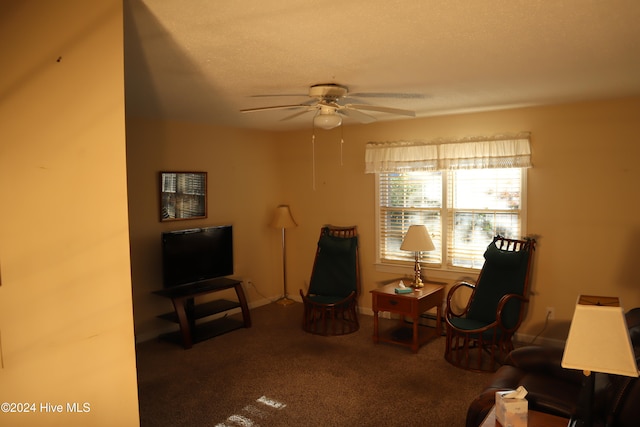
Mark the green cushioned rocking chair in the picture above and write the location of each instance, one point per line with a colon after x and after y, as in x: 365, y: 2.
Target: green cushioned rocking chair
x: 330, y: 303
x: 481, y: 336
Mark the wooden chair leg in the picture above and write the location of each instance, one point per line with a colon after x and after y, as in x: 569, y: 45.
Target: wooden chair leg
x: 325, y: 320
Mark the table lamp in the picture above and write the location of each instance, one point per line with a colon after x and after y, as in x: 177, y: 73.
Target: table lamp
x: 283, y: 220
x: 417, y: 240
x: 598, y: 341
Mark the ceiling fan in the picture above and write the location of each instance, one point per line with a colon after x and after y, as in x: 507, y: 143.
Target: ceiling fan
x: 328, y: 101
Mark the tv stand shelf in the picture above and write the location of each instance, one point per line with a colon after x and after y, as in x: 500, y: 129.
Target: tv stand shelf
x: 204, y: 310
x: 187, y: 312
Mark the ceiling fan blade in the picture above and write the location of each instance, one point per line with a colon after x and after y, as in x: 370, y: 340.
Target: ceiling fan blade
x: 293, y: 116
x: 276, y: 107
x: 357, y: 115
x: 382, y: 109
x: 388, y: 95
x: 279, y: 94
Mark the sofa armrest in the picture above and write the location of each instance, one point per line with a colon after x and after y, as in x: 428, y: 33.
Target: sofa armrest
x: 552, y: 389
x: 543, y: 360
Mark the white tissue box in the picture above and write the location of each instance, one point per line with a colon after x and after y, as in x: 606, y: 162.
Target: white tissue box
x: 511, y: 412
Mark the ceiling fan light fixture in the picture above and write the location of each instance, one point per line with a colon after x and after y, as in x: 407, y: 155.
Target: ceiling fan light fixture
x: 326, y: 120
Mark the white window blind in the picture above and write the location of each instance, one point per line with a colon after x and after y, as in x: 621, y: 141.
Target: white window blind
x: 481, y: 204
x: 406, y: 199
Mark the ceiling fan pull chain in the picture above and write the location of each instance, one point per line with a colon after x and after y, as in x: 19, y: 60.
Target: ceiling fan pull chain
x: 341, y: 144
x: 313, y: 159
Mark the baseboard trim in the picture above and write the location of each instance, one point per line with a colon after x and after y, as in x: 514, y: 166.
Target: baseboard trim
x: 172, y: 327
x: 522, y: 339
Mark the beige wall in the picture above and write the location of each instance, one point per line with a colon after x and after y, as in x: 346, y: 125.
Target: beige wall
x: 66, y: 324
x: 582, y: 195
x: 243, y: 190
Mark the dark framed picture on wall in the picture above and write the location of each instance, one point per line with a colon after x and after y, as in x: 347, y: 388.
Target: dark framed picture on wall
x: 183, y: 195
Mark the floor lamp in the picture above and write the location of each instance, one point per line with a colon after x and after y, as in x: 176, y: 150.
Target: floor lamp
x: 283, y: 220
x: 598, y: 341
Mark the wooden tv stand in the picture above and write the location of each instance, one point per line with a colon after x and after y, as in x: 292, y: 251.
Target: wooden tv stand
x: 187, y: 312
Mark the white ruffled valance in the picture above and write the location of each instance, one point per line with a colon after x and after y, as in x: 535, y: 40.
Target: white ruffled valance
x: 468, y: 153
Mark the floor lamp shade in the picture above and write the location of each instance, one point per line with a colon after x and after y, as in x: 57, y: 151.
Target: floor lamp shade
x: 283, y: 220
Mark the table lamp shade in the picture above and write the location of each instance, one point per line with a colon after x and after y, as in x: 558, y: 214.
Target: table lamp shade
x: 283, y: 218
x: 417, y: 239
x: 599, y: 339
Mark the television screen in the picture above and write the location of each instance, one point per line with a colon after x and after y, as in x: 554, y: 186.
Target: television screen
x: 196, y: 254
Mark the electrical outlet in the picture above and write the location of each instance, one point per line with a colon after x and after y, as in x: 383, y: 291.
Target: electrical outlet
x: 550, y: 313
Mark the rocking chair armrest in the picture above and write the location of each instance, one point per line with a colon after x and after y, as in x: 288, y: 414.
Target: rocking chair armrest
x: 457, y: 286
x: 503, y: 301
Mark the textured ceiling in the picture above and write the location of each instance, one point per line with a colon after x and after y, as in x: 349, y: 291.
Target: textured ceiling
x: 204, y: 60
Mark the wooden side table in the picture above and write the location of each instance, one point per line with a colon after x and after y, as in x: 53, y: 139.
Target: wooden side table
x: 410, y: 305
x: 534, y: 419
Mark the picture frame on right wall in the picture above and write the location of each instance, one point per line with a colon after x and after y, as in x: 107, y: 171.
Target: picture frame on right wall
x: 183, y: 195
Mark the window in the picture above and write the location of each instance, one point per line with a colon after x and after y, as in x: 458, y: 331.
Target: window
x: 464, y: 191
x: 464, y: 209
x: 406, y: 199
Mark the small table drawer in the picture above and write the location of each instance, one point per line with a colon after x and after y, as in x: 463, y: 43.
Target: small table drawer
x: 387, y: 303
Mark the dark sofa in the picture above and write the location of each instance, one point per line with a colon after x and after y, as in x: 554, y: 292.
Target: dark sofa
x: 555, y: 390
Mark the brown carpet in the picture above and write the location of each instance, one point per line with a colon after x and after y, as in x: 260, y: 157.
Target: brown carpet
x: 246, y: 377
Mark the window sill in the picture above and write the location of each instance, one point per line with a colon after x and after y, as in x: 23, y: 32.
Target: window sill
x: 448, y: 275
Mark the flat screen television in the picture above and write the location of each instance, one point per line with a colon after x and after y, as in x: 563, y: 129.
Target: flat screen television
x: 197, y: 254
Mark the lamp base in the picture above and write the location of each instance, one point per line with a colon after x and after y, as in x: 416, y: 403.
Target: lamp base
x: 285, y: 301
x: 584, y: 412
x: 417, y: 278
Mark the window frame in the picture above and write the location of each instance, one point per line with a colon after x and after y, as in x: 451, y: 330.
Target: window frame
x: 443, y: 269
